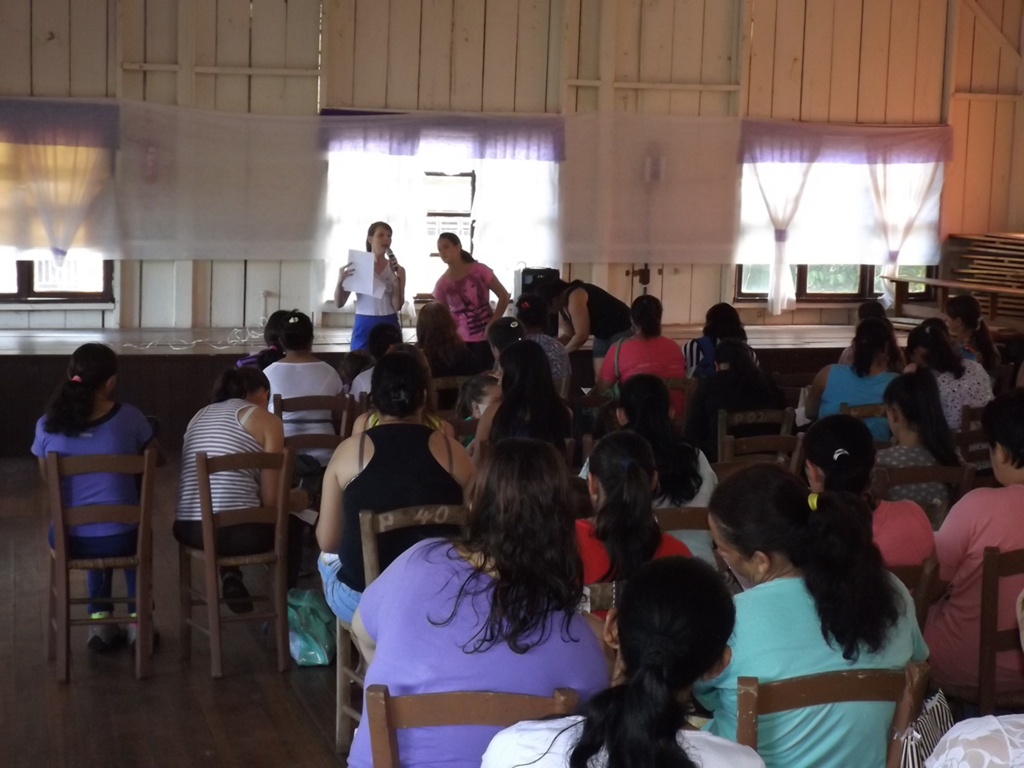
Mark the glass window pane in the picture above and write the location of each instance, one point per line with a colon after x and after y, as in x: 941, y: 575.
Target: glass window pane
x: 833, y: 278
x: 904, y: 271
x: 448, y: 194
x: 8, y: 276
x: 755, y: 278
x: 75, y: 276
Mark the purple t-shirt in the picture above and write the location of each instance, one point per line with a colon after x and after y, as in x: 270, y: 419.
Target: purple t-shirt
x: 124, y: 430
x: 416, y: 656
x: 469, y: 299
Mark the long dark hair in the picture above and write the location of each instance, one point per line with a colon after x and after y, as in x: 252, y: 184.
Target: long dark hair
x: 675, y: 618
x: 967, y: 310
x: 623, y: 464
x: 844, y: 449
x: 239, y: 383
x: 764, y: 508
x: 398, y: 385
x: 645, y: 400
x: 438, y: 336
x: 523, y: 530
x: 532, y: 311
x: 297, y: 332
x: 272, y: 336
x: 528, y: 394
x: 722, y: 321
x: 939, y: 353
x: 90, y: 368
x: 646, y: 314
x: 916, y: 395
x: 872, y: 338
x: 373, y: 230
x: 739, y: 357
x: 452, y: 238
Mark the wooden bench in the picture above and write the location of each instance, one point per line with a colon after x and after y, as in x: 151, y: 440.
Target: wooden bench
x: 943, y: 287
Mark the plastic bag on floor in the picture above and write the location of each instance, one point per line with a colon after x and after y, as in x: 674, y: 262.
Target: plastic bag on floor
x: 311, y: 637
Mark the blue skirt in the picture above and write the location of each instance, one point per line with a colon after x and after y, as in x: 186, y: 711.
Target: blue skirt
x: 363, y: 325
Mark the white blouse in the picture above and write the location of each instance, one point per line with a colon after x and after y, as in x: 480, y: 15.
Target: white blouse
x: 982, y: 742
x: 367, y: 304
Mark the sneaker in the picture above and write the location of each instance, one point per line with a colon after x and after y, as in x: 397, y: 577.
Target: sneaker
x: 103, y: 637
x: 234, y: 589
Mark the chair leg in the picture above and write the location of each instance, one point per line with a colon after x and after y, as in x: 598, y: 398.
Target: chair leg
x: 63, y: 628
x: 213, y: 614
x: 144, y: 621
x: 281, y: 619
x: 51, y: 612
x: 185, y: 598
x: 344, y: 725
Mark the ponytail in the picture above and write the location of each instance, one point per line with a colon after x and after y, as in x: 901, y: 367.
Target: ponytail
x: 872, y: 338
x: 844, y: 449
x: 916, y: 396
x: 239, y: 383
x: 987, y: 353
x: 89, y: 369
x: 623, y: 464
x: 967, y: 310
x: 452, y: 238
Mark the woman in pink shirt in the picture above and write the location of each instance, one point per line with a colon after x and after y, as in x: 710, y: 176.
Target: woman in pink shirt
x: 841, y: 457
x: 466, y: 288
x: 985, y: 517
x: 646, y: 352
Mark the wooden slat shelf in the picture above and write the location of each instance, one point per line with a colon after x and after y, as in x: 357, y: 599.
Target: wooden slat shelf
x: 992, y: 259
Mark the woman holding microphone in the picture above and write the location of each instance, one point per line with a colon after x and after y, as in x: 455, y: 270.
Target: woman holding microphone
x: 371, y: 310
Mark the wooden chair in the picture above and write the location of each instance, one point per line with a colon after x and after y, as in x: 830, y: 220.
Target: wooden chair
x: 970, y: 438
x: 371, y: 525
x: 682, y: 519
x: 921, y: 581
x: 904, y: 687
x: 342, y: 408
x: 604, y: 595
x: 276, y: 559
x: 871, y: 411
x: 1002, y: 378
x: 959, y: 480
x: 388, y: 714
x: 786, y: 419
x: 996, y: 565
x: 446, y: 390
x: 793, y: 385
x: 787, y: 450
x: 59, y: 621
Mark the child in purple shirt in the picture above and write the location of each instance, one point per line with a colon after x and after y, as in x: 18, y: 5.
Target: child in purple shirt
x: 430, y: 623
x: 82, y: 419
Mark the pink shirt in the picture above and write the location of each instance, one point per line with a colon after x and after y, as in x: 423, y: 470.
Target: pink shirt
x: 986, y: 517
x: 902, y: 533
x: 659, y: 356
x: 469, y: 299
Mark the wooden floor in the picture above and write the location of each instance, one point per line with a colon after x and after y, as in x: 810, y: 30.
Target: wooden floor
x: 253, y: 716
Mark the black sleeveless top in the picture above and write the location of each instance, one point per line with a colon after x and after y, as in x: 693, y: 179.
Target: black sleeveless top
x: 401, y: 473
x: 608, y: 315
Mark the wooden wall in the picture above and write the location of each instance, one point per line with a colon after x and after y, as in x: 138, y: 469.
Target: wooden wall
x: 870, y: 61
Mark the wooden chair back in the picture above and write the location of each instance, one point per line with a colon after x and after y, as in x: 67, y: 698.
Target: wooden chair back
x: 921, y: 581
x: 463, y: 428
x: 995, y: 565
x: 904, y: 687
x: 342, y: 409
x: 959, y: 479
x: 1002, y: 378
x: 604, y: 595
x: 373, y: 524
x: 870, y: 411
x: 970, y: 438
x: 682, y: 519
x: 446, y: 390
x: 793, y: 385
x: 787, y: 450
x: 786, y: 419
x: 387, y: 714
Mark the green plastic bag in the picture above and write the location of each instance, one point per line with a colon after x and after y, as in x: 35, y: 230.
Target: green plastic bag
x: 311, y: 637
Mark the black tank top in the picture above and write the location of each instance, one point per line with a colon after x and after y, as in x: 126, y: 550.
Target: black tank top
x: 401, y: 473
x: 608, y: 315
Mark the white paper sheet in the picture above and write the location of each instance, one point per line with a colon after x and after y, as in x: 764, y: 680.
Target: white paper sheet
x: 361, y: 280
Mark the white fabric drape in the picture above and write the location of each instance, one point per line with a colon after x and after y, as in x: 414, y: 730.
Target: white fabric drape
x: 782, y: 187
x: 902, y: 193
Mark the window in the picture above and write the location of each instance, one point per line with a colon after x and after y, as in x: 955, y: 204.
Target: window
x: 449, y: 199
x: 77, y: 280
x: 828, y: 282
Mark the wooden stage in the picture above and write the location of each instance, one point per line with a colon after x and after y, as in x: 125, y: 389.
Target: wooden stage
x: 169, y: 374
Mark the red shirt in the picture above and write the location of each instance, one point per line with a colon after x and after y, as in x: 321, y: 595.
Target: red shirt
x: 595, y: 556
x: 903, y: 533
x: 659, y: 356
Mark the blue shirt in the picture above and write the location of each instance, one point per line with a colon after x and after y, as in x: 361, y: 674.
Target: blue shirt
x: 123, y: 430
x: 845, y: 386
x: 778, y: 636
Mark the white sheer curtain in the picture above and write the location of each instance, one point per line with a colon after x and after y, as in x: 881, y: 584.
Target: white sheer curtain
x: 902, y: 193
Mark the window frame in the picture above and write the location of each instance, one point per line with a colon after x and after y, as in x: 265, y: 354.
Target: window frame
x: 471, y: 175
x: 865, y: 290
x: 26, y: 293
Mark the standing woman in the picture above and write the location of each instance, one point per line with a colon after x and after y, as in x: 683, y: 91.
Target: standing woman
x: 466, y: 288
x: 584, y: 310
x: 371, y: 310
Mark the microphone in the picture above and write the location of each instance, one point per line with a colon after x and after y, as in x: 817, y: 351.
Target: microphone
x: 393, y: 260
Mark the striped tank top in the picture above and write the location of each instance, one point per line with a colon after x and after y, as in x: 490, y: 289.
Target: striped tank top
x: 217, y: 430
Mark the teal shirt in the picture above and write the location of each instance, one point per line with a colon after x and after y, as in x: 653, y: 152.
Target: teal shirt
x: 845, y: 386
x: 778, y: 636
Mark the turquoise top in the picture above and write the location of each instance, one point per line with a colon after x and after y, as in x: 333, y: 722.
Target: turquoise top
x: 845, y: 386
x: 778, y: 636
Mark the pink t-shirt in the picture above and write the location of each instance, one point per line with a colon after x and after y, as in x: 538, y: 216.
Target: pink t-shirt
x: 986, y: 517
x: 469, y: 299
x: 903, y: 533
x: 659, y: 356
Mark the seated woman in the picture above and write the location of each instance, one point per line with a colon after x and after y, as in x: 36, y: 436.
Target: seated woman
x: 921, y: 437
x: 875, y: 309
x: 236, y: 421
x: 300, y: 373
x: 985, y: 517
x: 529, y: 405
x: 970, y: 331
x: 818, y: 599
x: 475, y: 396
x: 532, y: 313
x: 861, y: 383
x: 272, y: 336
x: 721, y: 323
x: 399, y: 462
x: 981, y: 741
x: 671, y: 629
x: 438, y: 337
x: 83, y: 418
x: 961, y: 382
x: 840, y: 457
x: 381, y: 338
x: 647, y: 351
x: 623, y: 535
x: 502, y: 333
x: 736, y: 385
x: 494, y: 610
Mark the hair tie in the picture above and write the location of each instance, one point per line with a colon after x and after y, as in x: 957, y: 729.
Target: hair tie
x: 812, y: 502
x: 524, y: 304
x: 293, y: 319
x: 77, y: 379
x: 840, y: 452
x: 514, y: 324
